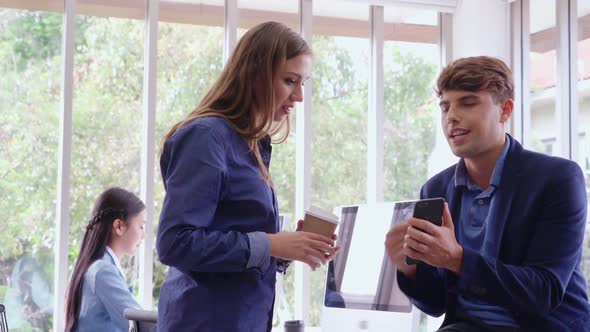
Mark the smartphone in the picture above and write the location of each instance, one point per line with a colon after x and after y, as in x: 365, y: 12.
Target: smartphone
x: 430, y: 209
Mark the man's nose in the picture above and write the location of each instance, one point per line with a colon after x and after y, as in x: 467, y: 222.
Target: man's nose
x: 451, y: 114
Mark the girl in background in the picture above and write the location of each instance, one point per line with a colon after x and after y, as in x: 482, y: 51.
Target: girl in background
x: 98, y: 293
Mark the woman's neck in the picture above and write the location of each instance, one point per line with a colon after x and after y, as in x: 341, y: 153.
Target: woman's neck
x: 116, y: 250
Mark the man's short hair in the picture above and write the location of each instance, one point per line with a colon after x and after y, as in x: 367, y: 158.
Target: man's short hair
x: 480, y: 73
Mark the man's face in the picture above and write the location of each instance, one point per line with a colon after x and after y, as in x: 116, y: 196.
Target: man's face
x: 473, y: 122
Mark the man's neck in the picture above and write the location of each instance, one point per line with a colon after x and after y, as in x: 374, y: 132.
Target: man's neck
x: 481, y: 168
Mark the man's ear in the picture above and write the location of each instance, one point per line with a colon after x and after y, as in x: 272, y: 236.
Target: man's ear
x: 507, y: 109
x: 119, y: 227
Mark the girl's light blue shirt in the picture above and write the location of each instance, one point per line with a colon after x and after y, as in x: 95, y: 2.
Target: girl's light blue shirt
x: 105, y: 295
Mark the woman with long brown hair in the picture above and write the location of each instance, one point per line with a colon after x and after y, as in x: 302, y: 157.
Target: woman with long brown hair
x: 218, y: 228
x: 97, y: 293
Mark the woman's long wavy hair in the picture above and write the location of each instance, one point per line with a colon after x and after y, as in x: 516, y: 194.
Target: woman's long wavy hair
x: 114, y: 203
x: 235, y: 96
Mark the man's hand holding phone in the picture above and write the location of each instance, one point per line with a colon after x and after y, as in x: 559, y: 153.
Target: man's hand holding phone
x: 431, y: 210
x: 434, y: 244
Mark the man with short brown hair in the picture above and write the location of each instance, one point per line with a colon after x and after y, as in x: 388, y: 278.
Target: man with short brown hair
x: 507, y: 257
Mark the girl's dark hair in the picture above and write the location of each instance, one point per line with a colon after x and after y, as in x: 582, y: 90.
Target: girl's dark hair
x: 114, y: 203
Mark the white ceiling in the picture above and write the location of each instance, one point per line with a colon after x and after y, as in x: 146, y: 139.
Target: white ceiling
x: 335, y: 8
x: 542, y: 11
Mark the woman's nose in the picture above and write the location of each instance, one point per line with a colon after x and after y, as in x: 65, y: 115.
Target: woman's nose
x: 297, y: 94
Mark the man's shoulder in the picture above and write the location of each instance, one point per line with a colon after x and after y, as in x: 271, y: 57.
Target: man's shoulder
x: 439, y: 181
x: 532, y: 163
x: 444, y: 175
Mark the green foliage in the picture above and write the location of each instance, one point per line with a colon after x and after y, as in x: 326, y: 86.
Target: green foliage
x: 29, y: 99
x: 339, y: 127
x: 28, y: 36
x: 410, y: 125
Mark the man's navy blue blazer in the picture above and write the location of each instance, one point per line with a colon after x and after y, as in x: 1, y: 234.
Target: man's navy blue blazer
x: 532, y: 267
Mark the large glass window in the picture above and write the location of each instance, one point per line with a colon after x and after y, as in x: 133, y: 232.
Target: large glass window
x: 189, y: 61
x: 339, y: 131
x: 340, y: 85
x: 107, y: 113
x: 30, y: 62
x: 414, y: 146
x: 411, y: 64
x: 584, y: 114
x: 543, y: 78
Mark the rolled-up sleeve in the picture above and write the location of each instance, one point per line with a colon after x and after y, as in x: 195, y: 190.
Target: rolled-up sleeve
x: 259, y: 251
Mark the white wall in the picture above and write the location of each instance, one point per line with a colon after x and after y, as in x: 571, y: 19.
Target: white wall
x: 480, y: 27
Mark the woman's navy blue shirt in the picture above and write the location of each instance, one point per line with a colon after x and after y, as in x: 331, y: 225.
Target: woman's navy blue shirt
x: 212, y: 228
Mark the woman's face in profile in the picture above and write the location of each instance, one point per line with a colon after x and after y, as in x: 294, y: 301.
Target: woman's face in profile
x: 288, y: 84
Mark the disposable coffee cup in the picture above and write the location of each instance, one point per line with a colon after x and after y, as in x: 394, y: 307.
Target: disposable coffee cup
x: 320, y: 222
x: 294, y: 326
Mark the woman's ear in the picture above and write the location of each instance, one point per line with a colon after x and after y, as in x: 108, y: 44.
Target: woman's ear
x: 119, y: 227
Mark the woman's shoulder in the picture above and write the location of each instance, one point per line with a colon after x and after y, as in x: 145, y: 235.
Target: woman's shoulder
x: 104, y: 263
x: 217, y: 126
x: 97, y: 268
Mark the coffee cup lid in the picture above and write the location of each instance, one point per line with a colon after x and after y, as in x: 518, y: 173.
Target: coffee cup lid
x: 322, y: 214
